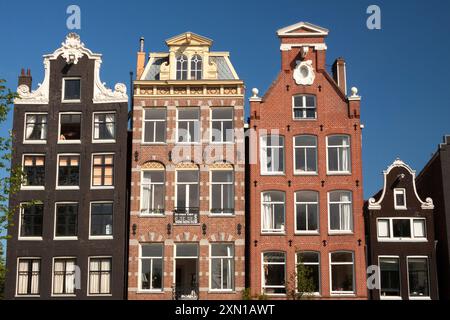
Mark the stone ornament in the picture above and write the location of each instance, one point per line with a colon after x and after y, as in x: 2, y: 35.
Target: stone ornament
x: 304, y: 73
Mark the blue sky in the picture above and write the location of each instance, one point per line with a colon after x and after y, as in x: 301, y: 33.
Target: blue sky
x: 401, y: 70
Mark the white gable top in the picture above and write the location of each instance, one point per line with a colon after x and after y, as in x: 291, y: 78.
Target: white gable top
x: 308, y: 30
x: 376, y: 205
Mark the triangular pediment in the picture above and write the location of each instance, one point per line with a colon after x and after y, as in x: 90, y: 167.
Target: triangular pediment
x: 302, y: 29
x: 189, y: 39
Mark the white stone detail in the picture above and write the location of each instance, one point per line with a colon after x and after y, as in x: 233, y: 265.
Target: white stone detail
x: 304, y: 73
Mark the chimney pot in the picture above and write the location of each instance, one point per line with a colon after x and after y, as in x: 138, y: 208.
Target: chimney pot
x: 340, y: 74
x: 25, y: 79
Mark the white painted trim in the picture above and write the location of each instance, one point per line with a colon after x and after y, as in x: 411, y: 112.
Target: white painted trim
x: 23, y: 187
x: 401, y: 191
x: 349, y: 155
x: 53, y: 277
x: 211, y: 290
x: 399, y: 274
x: 316, y: 46
x: 263, y: 171
x: 391, y: 237
x: 343, y: 293
x: 306, y: 232
x: 139, y: 277
x: 294, y: 147
x: 93, y: 127
x: 68, y: 238
x: 89, y: 277
x: 141, y: 175
x: 263, y: 277
x: 63, y: 90
x: 340, y: 232
x: 316, y: 31
x: 211, y: 214
x: 103, y: 237
x: 92, y: 170
x: 428, y: 277
x: 57, y: 187
x: 274, y: 231
x: 16, y: 292
x: 59, y: 128
x: 22, y: 238
x: 24, y: 140
x: 315, y: 294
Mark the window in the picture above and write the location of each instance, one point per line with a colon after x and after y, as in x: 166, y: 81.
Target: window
x: 153, y: 192
x: 71, y: 89
x: 102, y: 170
x: 35, y: 127
x: 399, y: 198
x: 182, y: 67
x: 419, y: 286
x: 34, y: 171
x: 222, y: 125
x: 311, y: 261
x: 222, y: 192
x: 222, y: 267
x: 389, y: 277
x: 305, y: 154
x: 342, y: 280
x: 398, y: 229
x: 187, y: 190
x: 304, y: 107
x: 104, y: 126
x: 196, y: 67
x: 338, y: 154
x: 102, y: 219
x: 307, y: 211
x: 64, y: 276
x: 272, y: 154
x: 151, y: 267
x: 340, y: 211
x: 66, y: 221
x: 99, y: 276
x: 273, y: 208
x: 31, y: 220
x: 274, y: 273
x: 155, y: 125
x: 68, y: 171
x: 188, y: 125
x: 69, y: 127
x: 28, y: 274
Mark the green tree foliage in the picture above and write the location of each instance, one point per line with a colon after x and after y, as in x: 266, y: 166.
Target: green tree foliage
x: 300, y: 283
x: 2, y: 272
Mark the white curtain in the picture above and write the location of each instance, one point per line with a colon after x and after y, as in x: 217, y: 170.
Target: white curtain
x: 263, y: 157
x: 93, y: 276
x: 22, y: 285
x: 96, y: 129
x: 44, y: 128
x: 31, y: 120
x: 345, y: 155
x: 35, y: 277
x: 229, y: 268
x: 58, y: 277
x: 70, y: 277
x: 146, y: 191
x: 267, y: 212
x: 109, y: 119
x: 346, y: 212
x: 105, y: 276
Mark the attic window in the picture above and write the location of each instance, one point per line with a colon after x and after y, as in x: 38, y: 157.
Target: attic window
x: 196, y: 67
x: 182, y: 67
x: 400, y: 199
x: 71, y: 89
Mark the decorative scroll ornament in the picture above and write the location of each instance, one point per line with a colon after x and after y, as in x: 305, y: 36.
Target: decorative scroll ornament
x: 72, y: 48
x: 38, y: 96
x: 304, y: 73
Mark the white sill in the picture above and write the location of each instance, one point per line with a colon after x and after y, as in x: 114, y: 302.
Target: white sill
x: 101, y: 237
x: 34, y: 142
x: 273, y: 233
x: 151, y: 215
x: 67, y: 188
x: 225, y: 291
x: 272, y: 173
x: 141, y: 291
x: 339, y: 173
x: 26, y: 296
x: 304, y: 119
x: 390, y: 298
x: 400, y: 208
x: 63, y: 295
x: 307, y: 233
x: 65, y: 238
x: 401, y: 240
x: 30, y: 238
x: 99, y: 294
x: 337, y: 232
x: 188, y: 143
x: 102, y: 187
x: 71, y: 101
x: 153, y: 143
x: 342, y: 294
x: 221, y: 215
x: 32, y: 188
x: 310, y: 294
x: 301, y: 173
x: 103, y: 141
x: 69, y: 141
x: 275, y: 294
x: 224, y: 142
x: 419, y: 298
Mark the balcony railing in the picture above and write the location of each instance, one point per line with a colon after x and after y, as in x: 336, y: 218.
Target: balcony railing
x: 186, y: 215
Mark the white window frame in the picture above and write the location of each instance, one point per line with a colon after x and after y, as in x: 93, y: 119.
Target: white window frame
x: 17, y: 295
x: 91, y: 237
x: 181, y: 70
x: 429, y: 280
x: 23, y: 187
x: 63, y: 91
x: 196, y: 122
x: 22, y: 238
x: 263, y: 286
x: 211, y: 183
x: 329, y: 172
x: 143, y: 142
x: 222, y: 259
x: 263, y: 156
x: 221, y: 126
x: 306, y: 232
x: 379, y: 277
x: 391, y: 237
x: 273, y: 231
x: 25, y: 140
x: 141, y: 187
x: 89, y: 277
x: 92, y: 170
x: 93, y: 127
x: 333, y: 232
x: 53, y: 294
x: 317, y: 293
x: 305, y: 173
x: 400, y: 191
x: 196, y: 69
x: 58, y: 187
x: 342, y: 293
x: 305, y: 107
x: 140, y: 258
x: 68, y: 238
x: 188, y: 184
x: 59, y: 128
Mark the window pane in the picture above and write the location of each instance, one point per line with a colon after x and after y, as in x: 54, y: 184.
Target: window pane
x: 31, y: 224
x: 70, y: 127
x: 308, y: 257
x: 418, y: 277
x: 102, y: 219
x: 401, y: 228
x: 341, y: 257
x: 222, y: 113
x: 222, y: 250
x: 400, y: 198
x: 383, y: 228
x: 186, y: 250
x: 187, y: 176
x: 66, y: 220
x: 390, y: 277
x: 342, y: 278
x: 72, y: 89
x: 155, y: 114
x: 152, y: 250
x: 419, y: 228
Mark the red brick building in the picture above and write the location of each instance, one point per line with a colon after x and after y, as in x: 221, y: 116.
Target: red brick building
x: 306, y: 194
x: 187, y: 224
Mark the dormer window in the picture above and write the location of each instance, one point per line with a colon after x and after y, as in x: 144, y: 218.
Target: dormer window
x: 196, y: 67
x: 182, y: 67
x: 400, y: 199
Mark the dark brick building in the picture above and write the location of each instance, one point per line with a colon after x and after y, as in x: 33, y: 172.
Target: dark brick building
x: 70, y: 137
x: 400, y: 237
x: 434, y: 182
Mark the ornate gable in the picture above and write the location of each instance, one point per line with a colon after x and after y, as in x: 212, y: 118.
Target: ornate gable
x: 189, y: 39
x: 302, y: 29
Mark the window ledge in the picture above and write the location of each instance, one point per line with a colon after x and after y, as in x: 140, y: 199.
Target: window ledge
x: 63, y: 295
x: 273, y: 233
x: 390, y: 298
x: 67, y: 188
x: 402, y: 240
x: 273, y: 174
x: 102, y: 188
x: 150, y: 291
x: 221, y: 215
x: 101, y: 238
x: 304, y: 119
x: 338, y: 173
x: 212, y: 291
x: 307, y: 233
x: 340, y: 233
x: 26, y: 296
x: 149, y: 215
x: 419, y: 298
x: 69, y: 141
x: 65, y: 238
x: 34, y: 141
x: 99, y: 295
x: 298, y: 173
x: 30, y: 238
x: 32, y: 188
x: 154, y: 143
x: 71, y: 101
x: 343, y: 294
x: 103, y: 141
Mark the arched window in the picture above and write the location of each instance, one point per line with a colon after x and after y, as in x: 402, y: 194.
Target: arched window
x: 273, y: 212
x: 196, y: 67
x: 182, y: 67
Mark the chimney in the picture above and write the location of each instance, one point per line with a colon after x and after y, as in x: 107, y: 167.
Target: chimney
x: 447, y: 139
x: 140, y: 59
x: 25, y: 78
x: 339, y: 74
